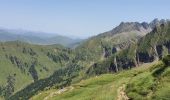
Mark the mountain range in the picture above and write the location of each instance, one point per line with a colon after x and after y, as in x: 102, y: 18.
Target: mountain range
x: 40, y: 38
x: 128, y: 62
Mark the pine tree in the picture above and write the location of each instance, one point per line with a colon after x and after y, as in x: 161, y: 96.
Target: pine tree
x: 9, y: 89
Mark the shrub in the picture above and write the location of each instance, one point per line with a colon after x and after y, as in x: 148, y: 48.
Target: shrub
x: 166, y: 60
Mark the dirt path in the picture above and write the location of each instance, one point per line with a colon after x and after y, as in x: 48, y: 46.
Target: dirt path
x: 58, y: 92
x: 121, y: 93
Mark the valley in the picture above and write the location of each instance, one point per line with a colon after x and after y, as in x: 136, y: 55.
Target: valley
x: 84, y: 50
x: 123, y: 63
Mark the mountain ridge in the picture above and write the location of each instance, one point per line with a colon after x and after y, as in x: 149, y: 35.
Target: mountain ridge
x: 41, y: 38
x: 98, y: 55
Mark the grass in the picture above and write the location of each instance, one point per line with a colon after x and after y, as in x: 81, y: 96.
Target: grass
x: 163, y: 88
x: 96, y: 88
x: 152, y: 84
x: 102, y: 87
x: 16, y: 49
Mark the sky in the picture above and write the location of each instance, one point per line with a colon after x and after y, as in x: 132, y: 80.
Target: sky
x: 78, y: 18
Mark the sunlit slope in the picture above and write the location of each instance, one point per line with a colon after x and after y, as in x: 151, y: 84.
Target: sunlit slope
x: 104, y: 87
x: 27, y: 63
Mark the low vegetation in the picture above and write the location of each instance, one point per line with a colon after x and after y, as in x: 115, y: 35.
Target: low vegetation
x: 26, y: 63
x: 99, y: 68
x: 147, y: 82
x: 103, y: 87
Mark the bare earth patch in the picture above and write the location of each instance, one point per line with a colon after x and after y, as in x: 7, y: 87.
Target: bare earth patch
x: 121, y: 93
x: 58, y: 92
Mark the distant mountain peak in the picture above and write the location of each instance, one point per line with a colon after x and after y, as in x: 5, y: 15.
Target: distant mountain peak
x: 144, y: 27
x: 157, y: 22
x: 131, y: 26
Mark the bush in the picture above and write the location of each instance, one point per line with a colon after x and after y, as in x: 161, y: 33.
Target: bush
x: 166, y: 60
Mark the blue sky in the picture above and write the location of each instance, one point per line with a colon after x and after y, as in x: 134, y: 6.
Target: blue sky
x: 80, y: 18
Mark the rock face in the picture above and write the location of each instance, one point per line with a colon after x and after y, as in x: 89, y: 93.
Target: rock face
x: 129, y: 26
x: 142, y: 28
x: 159, y: 49
x: 167, y: 44
x: 148, y: 48
x: 145, y: 57
x: 157, y: 22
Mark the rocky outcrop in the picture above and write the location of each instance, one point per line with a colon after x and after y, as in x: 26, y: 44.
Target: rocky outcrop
x: 113, y: 68
x: 131, y: 26
x: 106, y: 52
x: 167, y: 44
x: 159, y: 49
x: 115, y: 63
x: 155, y: 54
x: 115, y: 49
x: 144, y: 57
x: 125, y: 63
x: 157, y: 22
x: 131, y: 52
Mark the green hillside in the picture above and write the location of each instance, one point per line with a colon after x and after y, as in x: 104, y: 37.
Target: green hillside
x: 28, y: 63
x: 105, y: 66
x: 149, y: 81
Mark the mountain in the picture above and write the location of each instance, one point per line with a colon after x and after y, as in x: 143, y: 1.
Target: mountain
x: 26, y: 63
x: 141, y: 28
x: 126, y: 55
x: 128, y: 46
x: 40, y: 38
x: 121, y: 37
x: 148, y: 78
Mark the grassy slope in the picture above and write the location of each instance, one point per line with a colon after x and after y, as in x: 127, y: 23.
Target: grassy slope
x: 153, y: 84
x: 104, y: 87
x: 16, y: 49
